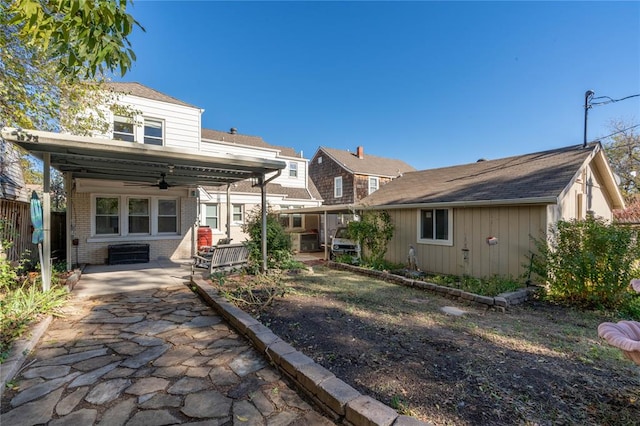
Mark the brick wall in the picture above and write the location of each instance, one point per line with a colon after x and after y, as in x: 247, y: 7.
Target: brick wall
x: 179, y: 247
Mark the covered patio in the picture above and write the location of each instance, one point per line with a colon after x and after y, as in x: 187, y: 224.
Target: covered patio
x: 98, y: 159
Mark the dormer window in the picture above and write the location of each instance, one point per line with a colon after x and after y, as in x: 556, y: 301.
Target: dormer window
x: 293, y: 170
x: 123, y: 129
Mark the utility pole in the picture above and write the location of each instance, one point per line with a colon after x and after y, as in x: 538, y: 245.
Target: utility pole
x: 587, y: 104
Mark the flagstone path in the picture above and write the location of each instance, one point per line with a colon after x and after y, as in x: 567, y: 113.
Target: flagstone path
x: 158, y: 357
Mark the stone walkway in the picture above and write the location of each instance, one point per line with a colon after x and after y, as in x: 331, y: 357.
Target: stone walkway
x: 157, y: 357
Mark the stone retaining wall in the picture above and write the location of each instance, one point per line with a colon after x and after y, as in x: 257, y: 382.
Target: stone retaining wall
x: 503, y: 300
x: 341, y: 402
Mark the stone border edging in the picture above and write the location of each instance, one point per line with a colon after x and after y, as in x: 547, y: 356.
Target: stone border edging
x: 336, y: 398
x: 502, y: 301
x: 20, y: 348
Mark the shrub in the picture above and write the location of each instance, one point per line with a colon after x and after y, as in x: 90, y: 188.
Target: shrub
x: 373, y: 231
x: 278, y: 241
x: 588, y: 263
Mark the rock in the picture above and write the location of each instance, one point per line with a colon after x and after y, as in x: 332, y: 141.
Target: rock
x: 207, y: 404
x: 36, y: 391
x: 107, y: 391
x: 32, y: 413
x: 80, y: 417
x: 147, y: 385
x: 118, y: 414
x: 66, y: 405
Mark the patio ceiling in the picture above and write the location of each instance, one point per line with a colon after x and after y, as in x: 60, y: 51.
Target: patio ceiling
x: 96, y: 158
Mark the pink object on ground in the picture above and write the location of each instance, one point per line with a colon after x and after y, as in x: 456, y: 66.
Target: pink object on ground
x: 636, y: 285
x: 625, y: 335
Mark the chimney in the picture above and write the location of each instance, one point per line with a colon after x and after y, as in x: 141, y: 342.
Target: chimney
x: 233, y: 131
x: 360, y: 152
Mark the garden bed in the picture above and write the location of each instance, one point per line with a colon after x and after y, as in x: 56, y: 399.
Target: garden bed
x: 534, y: 363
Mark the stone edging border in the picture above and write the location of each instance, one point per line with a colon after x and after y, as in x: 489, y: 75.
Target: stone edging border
x: 337, y: 399
x: 501, y: 301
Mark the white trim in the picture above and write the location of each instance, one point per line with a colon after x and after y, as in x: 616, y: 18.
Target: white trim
x: 373, y: 179
x: 335, y: 187
x: 123, y: 217
x: 435, y: 242
x: 507, y: 202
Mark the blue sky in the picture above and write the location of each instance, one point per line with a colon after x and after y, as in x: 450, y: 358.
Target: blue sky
x: 430, y: 83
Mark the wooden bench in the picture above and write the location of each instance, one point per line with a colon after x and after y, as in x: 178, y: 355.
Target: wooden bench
x: 222, y: 257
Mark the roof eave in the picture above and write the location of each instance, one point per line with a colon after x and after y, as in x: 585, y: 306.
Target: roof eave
x: 476, y: 203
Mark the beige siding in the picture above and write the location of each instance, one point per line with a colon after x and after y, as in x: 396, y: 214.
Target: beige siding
x: 587, y: 193
x: 512, y: 226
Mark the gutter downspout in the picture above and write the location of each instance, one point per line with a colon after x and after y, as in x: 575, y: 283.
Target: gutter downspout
x: 229, y: 213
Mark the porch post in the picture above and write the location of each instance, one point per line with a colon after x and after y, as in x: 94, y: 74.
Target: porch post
x: 68, y: 186
x: 46, y: 222
x: 263, y: 190
x: 326, y: 239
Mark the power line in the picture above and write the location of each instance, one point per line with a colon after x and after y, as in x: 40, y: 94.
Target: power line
x: 620, y: 131
x: 610, y: 100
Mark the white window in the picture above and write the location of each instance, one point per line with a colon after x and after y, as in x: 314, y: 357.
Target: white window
x: 115, y: 215
x: 139, y: 217
x: 167, y: 216
x: 153, y: 131
x: 290, y: 219
x: 319, y: 160
x: 107, y: 217
x: 337, y: 187
x: 238, y: 213
x: 297, y: 220
x: 211, y: 216
x: 373, y: 184
x: 293, y: 169
x: 435, y: 226
x: 123, y: 129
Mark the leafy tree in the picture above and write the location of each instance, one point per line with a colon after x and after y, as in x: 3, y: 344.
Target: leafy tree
x: 55, y: 54
x: 86, y: 37
x: 624, y: 155
x: 373, y: 231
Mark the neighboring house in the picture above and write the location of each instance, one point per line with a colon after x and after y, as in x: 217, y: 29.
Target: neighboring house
x: 12, y: 185
x: 14, y: 206
x: 344, y: 177
x: 479, y: 219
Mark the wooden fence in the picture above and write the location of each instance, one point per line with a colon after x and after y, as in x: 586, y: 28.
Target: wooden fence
x: 16, y: 229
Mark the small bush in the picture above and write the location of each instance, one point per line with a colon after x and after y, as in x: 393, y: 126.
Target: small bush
x: 278, y: 241
x: 588, y: 263
x: 488, y: 286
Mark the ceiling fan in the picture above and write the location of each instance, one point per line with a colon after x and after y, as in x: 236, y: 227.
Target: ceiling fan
x: 162, y: 184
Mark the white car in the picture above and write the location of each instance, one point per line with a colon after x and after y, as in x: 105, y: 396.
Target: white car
x: 342, y: 244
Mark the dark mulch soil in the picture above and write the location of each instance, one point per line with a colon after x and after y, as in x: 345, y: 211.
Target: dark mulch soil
x: 534, y: 364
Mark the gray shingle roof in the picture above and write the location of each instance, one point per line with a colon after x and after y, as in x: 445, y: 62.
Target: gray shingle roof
x: 537, y: 175
x: 369, y: 164
x: 237, y: 138
x: 274, y: 188
x: 137, y: 89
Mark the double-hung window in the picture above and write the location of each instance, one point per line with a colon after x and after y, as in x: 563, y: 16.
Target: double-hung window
x: 435, y: 226
x: 293, y: 169
x: 153, y: 132
x: 167, y: 216
x: 107, y: 218
x: 135, y: 216
x: 123, y: 129
x: 337, y: 187
x: 139, y: 216
x: 211, y: 216
x: 374, y: 183
x: 238, y: 214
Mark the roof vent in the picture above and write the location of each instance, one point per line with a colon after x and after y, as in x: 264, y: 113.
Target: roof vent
x: 233, y: 131
x: 481, y: 160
